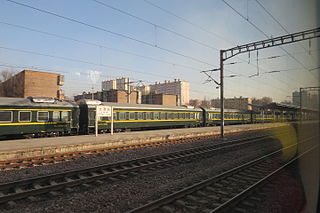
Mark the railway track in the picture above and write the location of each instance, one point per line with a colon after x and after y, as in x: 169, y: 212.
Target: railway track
x: 223, y: 193
x: 50, y: 184
x: 62, y: 157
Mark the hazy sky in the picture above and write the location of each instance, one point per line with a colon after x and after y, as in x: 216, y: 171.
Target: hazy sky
x: 136, y: 38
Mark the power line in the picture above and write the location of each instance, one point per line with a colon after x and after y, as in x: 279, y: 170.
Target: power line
x: 86, y: 62
x: 80, y: 61
x: 77, y: 80
x: 110, y: 32
x: 73, y: 20
x: 155, y: 25
x: 257, y: 28
x: 198, y: 26
x: 189, y: 22
x: 97, y: 45
x: 278, y: 22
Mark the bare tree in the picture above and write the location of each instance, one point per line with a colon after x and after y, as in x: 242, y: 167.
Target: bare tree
x: 6, y: 74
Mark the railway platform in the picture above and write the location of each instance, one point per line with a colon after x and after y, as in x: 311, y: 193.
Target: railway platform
x: 28, y: 148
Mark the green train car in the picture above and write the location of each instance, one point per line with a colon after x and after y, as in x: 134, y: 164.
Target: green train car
x: 37, y: 117
x: 137, y: 116
x: 213, y: 118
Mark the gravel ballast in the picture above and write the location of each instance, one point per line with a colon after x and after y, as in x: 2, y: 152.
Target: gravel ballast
x: 123, y: 195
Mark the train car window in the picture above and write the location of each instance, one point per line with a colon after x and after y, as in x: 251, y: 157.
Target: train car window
x: 152, y: 115
x: 5, y: 116
x: 148, y: 116
x: 162, y: 115
x: 183, y: 115
x: 103, y: 118
x: 24, y: 116
x: 136, y: 116
x: 43, y: 116
x: 65, y: 116
x: 127, y: 115
x: 122, y: 115
x: 175, y: 115
x: 187, y: 115
x: 144, y: 116
x: 55, y: 116
x: 132, y: 115
x: 116, y: 116
x: 139, y: 115
x: 192, y: 115
x: 156, y: 116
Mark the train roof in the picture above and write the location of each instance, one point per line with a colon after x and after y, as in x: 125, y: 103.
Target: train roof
x: 137, y: 106
x: 33, y: 101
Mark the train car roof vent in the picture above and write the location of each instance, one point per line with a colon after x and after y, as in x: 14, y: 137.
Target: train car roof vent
x: 41, y: 100
x: 188, y: 106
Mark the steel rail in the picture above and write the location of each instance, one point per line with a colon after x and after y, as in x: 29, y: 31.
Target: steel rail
x: 258, y: 184
x: 179, y: 195
x: 39, y: 185
x: 61, y: 157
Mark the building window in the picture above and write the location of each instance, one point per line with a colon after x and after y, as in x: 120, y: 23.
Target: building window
x: 55, y: 116
x: 43, y: 116
x: 5, y: 116
x: 25, y: 116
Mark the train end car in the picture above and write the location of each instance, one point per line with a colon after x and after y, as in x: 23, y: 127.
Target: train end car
x: 37, y: 117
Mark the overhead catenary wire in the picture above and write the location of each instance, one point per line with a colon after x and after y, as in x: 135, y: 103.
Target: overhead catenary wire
x: 110, y: 32
x: 278, y: 22
x: 97, y: 45
x: 262, y: 32
x: 189, y: 22
x: 157, y: 26
x: 202, y: 28
x: 60, y: 17
x: 45, y: 69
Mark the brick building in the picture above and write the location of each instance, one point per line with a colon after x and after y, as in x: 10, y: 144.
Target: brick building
x: 160, y: 99
x: 233, y: 103
x: 33, y: 83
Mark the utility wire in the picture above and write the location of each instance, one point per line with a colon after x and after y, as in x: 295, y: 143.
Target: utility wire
x: 155, y: 25
x: 79, y: 80
x: 87, y: 62
x: 257, y: 28
x: 109, y: 31
x: 278, y: 22
x: 97, y: 45
x: 202, y: 28
x: 189, y: 22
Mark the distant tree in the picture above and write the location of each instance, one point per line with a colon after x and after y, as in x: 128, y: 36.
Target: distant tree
x: 6, y: 74
x: 206, y: 103
x: 262, y: 101
x: 194, y: 102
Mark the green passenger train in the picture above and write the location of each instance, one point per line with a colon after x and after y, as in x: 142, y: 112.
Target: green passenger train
x: 47, y: 117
